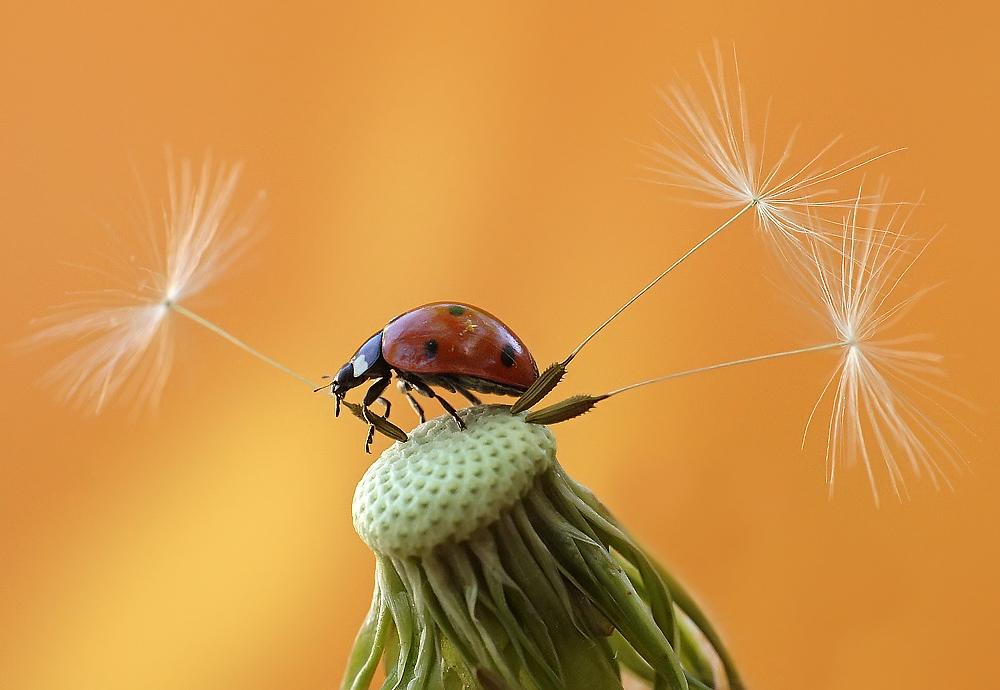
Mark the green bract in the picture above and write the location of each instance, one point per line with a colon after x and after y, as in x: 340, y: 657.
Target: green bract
x: 495, y: 570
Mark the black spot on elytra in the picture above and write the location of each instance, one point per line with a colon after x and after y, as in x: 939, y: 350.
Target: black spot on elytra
x: 507, y: 355
x: 431, y: 348
x: 456, y: 310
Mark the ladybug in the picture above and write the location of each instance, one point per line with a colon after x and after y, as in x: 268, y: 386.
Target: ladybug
x: 450, y: 345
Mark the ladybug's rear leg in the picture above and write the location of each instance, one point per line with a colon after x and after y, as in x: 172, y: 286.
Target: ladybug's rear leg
x: 405, y: 387
x: 468, y: 394
x: 450, y: 410
x: 424, y: 389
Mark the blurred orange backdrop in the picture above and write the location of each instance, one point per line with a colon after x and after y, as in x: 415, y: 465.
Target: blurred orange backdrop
x: 487, y: 153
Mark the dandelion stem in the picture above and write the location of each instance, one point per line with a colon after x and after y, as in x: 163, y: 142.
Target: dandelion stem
x: 748, y: 360
x: 658, y: 278
x: 579, y: 404
x: 235, y: 341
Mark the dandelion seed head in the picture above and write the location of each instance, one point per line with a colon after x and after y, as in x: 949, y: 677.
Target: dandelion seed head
x: 879, y: 386
x: 122, y: 334
x: 709, y: 150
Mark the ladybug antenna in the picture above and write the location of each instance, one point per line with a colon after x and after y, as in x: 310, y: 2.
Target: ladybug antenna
x: 325, y: 385
x: 551, y: 377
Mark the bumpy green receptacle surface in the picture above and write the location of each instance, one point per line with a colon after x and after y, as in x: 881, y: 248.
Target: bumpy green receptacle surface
x: 444, y: 483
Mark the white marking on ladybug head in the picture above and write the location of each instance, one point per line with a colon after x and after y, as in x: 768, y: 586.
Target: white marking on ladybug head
x: 359, y: 365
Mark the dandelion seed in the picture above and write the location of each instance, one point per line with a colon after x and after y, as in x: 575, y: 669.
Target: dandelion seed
x: 709, y: 150
x: 124, y: 333
x: 878, y: 383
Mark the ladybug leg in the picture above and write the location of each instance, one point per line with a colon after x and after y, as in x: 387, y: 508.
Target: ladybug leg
x: 374, y: 393
x: 424, y: 389
x: 468, y: 395
x: 405, y: 388
x: 450, y: 410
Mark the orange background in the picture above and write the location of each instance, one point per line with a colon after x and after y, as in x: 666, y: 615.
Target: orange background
x: 486, y: 155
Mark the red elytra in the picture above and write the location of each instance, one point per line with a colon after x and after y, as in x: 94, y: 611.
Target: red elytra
x: 469, y: 342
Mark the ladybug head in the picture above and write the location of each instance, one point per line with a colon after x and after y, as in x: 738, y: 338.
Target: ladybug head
x: 367, y: 363
x: 343, y: 382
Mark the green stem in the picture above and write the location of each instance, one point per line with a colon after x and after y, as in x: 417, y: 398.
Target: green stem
x: 747, y: 360
x: 657, y: 279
